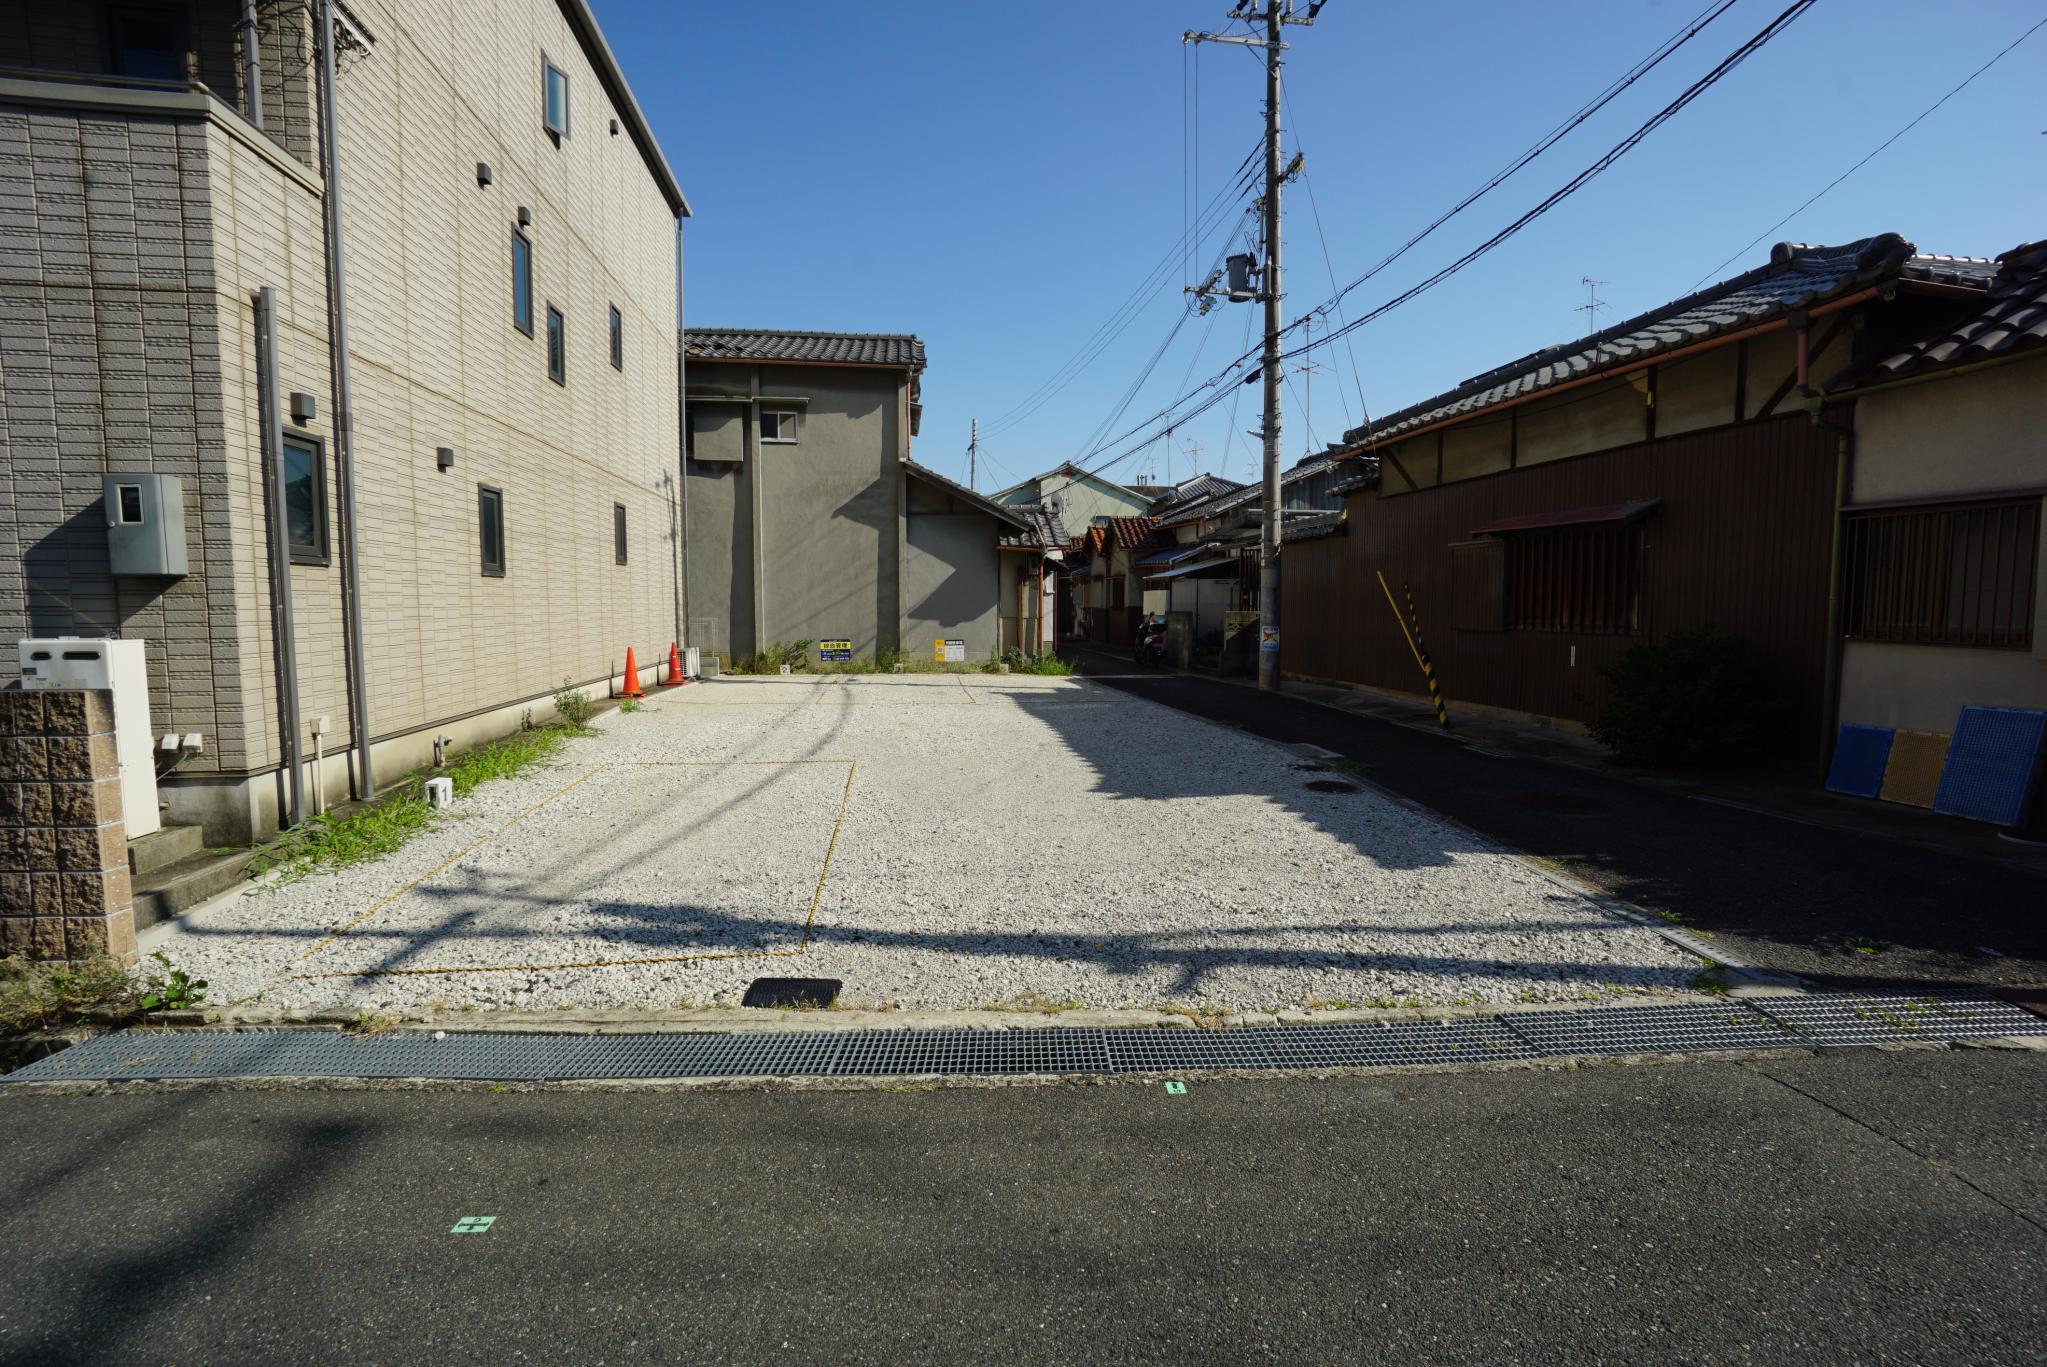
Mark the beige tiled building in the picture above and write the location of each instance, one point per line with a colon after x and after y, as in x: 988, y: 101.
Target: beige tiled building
x: 509, y: 230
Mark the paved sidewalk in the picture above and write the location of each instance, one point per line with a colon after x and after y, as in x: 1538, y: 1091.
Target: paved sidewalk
x: 1869, y: 1207
x: 1839, y: 908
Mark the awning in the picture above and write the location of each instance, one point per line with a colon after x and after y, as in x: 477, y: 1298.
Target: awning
x: 1196, y: 568
x: 1572, y: 517
x: 1172, y: 554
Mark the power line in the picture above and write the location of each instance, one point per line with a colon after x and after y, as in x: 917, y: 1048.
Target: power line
x: 1771, y: 230
x: 1704, y: 83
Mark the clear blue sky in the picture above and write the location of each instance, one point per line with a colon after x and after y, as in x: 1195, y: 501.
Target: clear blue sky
x: 998, y: 178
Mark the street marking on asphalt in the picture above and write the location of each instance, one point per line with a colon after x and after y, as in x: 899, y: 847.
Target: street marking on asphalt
x: 802, y: 945
x: 473, y: 1224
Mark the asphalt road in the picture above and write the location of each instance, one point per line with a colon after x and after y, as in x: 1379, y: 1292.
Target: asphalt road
x: 1869, y: 1207
x: 1779, y: 894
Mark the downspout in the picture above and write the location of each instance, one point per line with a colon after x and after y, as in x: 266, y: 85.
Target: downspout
x: 252, y: 66
x: 1830, y: 701
x: 365, y: 784
x: 284, y: 637
x: 682, y: 437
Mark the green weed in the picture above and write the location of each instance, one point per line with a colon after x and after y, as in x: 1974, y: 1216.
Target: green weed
x: 571, y: 708
x: 1863, y: 944
x: 165, y: 988
x: 38, y: 996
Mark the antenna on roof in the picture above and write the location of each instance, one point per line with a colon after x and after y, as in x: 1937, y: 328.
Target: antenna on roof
x: 1593, y: 303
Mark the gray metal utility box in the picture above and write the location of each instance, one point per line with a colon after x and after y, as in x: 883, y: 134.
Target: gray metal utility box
x: 145, y: 524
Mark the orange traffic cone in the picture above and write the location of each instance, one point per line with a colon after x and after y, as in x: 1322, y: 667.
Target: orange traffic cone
x: 675, y: 665
x: 632, y: 687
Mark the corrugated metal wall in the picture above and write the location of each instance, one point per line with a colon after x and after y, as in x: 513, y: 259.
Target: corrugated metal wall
x: 1740, y: 542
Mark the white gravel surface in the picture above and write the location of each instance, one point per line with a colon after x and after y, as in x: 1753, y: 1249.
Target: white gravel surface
x: 932, y: 841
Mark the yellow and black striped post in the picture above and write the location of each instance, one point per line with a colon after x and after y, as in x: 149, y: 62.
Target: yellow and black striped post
x: 1411, y: 628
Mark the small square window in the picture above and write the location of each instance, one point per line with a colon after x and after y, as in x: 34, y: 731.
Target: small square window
x: 490, y: 529
x: 617, y: 339
x: 522, y: 282
x: 305, y: 500
x: 778, y: 426
x: 557, y: 347
x: 554, y: 99
x: 618, y: 533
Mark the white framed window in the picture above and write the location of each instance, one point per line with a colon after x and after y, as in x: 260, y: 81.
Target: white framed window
x: 778, y: 425
x: 554, y: 99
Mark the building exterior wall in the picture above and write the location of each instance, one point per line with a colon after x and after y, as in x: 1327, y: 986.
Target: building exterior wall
x: 1717, y: 552
x: 800, y: 541
x: 1084, y: 499
x: 1968, y: 435
x: 952, y: 584
x: 139, y: 224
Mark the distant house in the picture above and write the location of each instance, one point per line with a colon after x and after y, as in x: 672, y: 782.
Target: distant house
x: 806, y: 518
x: 1770, y: 456
x: 1074, y: 495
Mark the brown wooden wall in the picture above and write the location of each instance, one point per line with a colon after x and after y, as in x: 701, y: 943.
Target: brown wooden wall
x: 1741, y: 542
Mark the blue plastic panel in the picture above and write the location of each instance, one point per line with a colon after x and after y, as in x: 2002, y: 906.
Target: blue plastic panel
x: 1991, y: 764
x: 1859, y: 759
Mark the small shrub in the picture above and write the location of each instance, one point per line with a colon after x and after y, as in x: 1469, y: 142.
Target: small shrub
x: 632, y: 705
x: 795, y: 654
x: 165, y: 988
x: 571, y: 706
x: 1693, y: 700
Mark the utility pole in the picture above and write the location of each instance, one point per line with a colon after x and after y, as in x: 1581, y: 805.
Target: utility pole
x: 973, y: 452
x: 1276, y: 14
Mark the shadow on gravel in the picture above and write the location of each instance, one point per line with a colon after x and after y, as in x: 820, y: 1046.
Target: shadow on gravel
x: 1841, y: 909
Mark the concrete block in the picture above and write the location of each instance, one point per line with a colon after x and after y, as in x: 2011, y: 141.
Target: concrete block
x: 46, y: 938
x: 36, y: 847
x: 91, y: 850
x: 24, y: 759
x: 15, y: 940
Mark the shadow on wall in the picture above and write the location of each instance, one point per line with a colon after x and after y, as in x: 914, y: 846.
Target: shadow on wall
x: 70, y: 590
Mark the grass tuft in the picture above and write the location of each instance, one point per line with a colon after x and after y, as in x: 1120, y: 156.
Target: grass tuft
x: 41, y: 996
x: 1034, y: 1001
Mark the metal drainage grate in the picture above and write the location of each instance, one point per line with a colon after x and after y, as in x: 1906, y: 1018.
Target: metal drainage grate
x: 1835, y: 1019
x: 1843, y: 1019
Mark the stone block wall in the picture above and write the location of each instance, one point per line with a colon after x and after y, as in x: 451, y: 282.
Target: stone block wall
x: 64, y: 886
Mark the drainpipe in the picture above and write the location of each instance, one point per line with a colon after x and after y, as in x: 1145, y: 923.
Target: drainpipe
x: 285, y: 639
x: 365, y: 785
x: 1830, y: 703
x: 252, y: 67
x: 682, y: 409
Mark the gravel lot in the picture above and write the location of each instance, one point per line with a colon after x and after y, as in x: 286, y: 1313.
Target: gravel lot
x: 932, y: 841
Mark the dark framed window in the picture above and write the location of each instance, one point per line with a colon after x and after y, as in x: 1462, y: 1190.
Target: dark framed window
x: 617, y: 339
x: 490, y: 529
x: 618, y: 533
x: 554, y: 99
x: 778, y: 425
x: 1575, y: 579
x: 522, y: 282
x: 557, y: 346
x: 305, y: 498
x: 148, y: 42
x: 1961, y: 574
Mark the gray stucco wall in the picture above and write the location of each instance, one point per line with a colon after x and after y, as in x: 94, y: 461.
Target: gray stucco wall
x: 951, y: 579
x: 824, y: 564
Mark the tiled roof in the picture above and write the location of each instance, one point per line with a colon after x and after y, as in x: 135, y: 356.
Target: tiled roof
x: 831, y: 348
x: 1132, y: 533
x: 1243, y: 495
x: 1191, y: 491
x: 1313, y: 526
x: 2014, y: 318
x: 1046, y: 530
x: 1796, y: 277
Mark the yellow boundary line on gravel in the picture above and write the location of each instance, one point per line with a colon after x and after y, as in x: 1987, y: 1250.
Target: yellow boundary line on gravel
x: 802, y: 945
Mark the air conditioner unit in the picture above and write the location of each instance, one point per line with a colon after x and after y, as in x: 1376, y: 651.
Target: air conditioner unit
x: 117, y: 667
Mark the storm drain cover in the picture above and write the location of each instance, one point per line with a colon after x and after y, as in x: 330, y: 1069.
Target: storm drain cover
x: 1803, y: 1021
x: 818, y: 992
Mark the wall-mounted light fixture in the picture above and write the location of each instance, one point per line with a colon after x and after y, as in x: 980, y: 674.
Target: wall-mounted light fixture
x: 444, y: 457
x: 304, y: 408
x: 614, y: 128
x: 482, y: 174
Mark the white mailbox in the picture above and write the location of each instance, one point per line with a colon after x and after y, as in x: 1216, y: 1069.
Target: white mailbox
x: 117, y: 667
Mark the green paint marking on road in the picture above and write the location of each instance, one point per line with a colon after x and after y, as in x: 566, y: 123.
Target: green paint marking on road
x: 473, y: 1224
x: 1176, y: 1089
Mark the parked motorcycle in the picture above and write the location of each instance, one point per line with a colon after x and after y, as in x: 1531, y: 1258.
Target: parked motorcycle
x: 1150, y: 650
